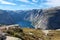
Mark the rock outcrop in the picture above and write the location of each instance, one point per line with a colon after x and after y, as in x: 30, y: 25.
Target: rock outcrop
x: 50, y: 19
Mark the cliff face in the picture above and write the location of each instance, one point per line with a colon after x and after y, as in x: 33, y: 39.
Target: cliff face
x: 50, y: 19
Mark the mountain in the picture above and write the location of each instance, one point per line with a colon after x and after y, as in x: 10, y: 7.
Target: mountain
x: 5, y: 18
x: 50, y: 19
x: 36, y: 18
x: 22, y: 17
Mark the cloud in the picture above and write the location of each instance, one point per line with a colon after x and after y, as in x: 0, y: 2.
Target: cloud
x: 35, y: 0
x: 27, y: 1
x: 24, y: 1
x: 52, y: 3
x: 5, y: 2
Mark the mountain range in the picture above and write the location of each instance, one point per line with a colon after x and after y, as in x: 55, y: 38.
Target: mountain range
x: 35, y: 18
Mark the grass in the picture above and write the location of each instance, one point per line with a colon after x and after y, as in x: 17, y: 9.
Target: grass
x: 33, y: 34
x: 54, y: 35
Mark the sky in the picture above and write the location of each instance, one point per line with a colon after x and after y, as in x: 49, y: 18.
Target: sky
x: 28, y: 4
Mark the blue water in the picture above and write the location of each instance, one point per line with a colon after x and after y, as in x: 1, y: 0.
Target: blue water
x: 25, y: 24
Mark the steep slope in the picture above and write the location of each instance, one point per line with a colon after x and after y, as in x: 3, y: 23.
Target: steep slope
x: 26, y: 18
x: 50, y: 19
x: 5, y: 18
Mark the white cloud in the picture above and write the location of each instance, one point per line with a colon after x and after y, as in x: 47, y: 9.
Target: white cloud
x: 35, y: 0
x: 5, y: 2
x: 53, y: 3
x: 26, y: 1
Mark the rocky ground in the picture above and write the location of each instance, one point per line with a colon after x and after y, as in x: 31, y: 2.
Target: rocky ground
x: 17, y: 33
